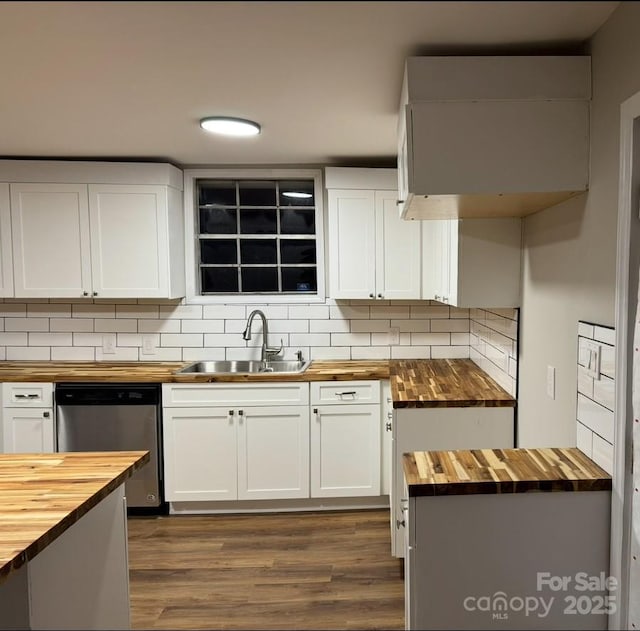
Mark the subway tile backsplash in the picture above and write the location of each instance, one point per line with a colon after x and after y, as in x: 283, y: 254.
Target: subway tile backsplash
x: 72, y: 330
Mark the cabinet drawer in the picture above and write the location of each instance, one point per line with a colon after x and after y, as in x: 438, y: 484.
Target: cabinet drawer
x: 234, y: 394
x: 27, y: 395
x: 345, y: 392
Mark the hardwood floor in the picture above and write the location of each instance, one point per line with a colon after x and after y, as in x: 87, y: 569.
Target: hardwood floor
x: 322, y: 570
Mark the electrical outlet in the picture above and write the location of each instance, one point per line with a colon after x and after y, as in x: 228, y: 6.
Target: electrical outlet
x: 394, y: 336
x: 148, y: 345
x: 109, y: 344
x: 593, y: 359
x: 551, y: 382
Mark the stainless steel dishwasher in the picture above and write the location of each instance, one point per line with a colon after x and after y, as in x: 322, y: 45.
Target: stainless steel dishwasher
x: 115, y: 417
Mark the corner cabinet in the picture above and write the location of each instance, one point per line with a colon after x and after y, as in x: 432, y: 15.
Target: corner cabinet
x: 472, y: 262
x: 373, y: 254
x: 103, y: 230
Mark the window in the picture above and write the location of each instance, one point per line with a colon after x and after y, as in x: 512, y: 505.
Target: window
x: 257, y: 235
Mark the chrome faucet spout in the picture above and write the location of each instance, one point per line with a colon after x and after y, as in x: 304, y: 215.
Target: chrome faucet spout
x: 267, y: 352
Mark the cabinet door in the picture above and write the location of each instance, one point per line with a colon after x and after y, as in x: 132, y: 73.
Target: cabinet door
x: 27, y: 430
x: 403, y: 162
x: 436, y: 259
x: 352, y: 248
x: 200, y: 459
x: 273, y: 452
x: 345, y: 450
x: 397, y: 251
x: 50, y: 236
x: 129, y: 241
x: 6, y: 262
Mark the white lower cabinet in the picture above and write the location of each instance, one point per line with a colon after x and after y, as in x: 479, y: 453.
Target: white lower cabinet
x: 27, y: 418
x: 234, y: 451
x: 345, y: 439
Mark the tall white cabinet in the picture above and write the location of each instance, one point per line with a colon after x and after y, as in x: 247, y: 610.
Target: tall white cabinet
x: 6, y: 264
x: 374, y: 254
x: 102, y: 230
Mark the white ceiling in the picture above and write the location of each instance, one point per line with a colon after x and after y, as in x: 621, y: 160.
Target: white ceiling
x: 132, y: 79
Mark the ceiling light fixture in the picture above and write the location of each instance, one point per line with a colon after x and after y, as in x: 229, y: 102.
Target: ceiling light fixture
x: 230, y: 126
x: 297, y: 194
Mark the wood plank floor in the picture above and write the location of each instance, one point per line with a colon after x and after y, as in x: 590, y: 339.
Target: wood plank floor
x: 321, y: 570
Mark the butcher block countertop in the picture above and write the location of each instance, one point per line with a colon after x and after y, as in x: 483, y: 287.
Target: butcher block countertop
x: 484, y: 471
x: 42, y: 495
x: 441, y: 383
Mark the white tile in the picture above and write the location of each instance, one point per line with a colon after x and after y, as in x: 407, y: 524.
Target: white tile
x: 477, y: 314
x: 233, y: 340
x: 182, y: 312
x: 585, y: 382
x: 238, y: 326
x: 242, y: 354
x: 331, y: 352
x: 18, y: 300
x: 604, y: 392
x: 381, y: 313
x: 416, y: 325
x: 137, y: 311
x: 163, y: 355
x: 182, y: 339
x: 49, y: 310
x: 411, y: 352
x: 508, y: 328
x: 315, y: 312
x: 458, y: 312
x: 405, y: 339
x: 116, y: 301
x: 513, y: 367
x: 457, y: 326
x: 275, y: 340
x: 1, y: 324
x: 73, y: 353
x: 449, y: 352
x: 13, y: 310
x: 116, y: 326
x: 371, y: 352
x: 584, y: 439
x: 350, y: 339
x: 121, y: 354
x: 585, y: 329
x: 460, y: 339
x: 608, y: 361
x: 290, y: 326
x: 370, y: 326
x: 225, y: 312
x: 50, y: 339
x: 595, y: 417
x: 26, y: 324
x: 511, y: 314
x: 202, y: 326
x: 73, y: 325
x: 606, y: 335
x: 27, y: 353
x: 431, y: 339
x: 87, y: 339
x: 271, y: 312
x: 3, y: 353
x: 129, y: 339
x: 349, y: 312
x: 329, y: 326
x: 159, y: 326
x: 310, y: 339
x: 379, y: 339
x: 93, y: 311
x: 603, y: 453
x: 429, y: 312
x: 498, y: 357
x: 200, y: 354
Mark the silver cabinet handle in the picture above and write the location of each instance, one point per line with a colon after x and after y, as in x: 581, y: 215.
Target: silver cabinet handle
x: 388, y: 427
x: 95, y: 293
x: 399, y: 201
x: 400, y: 523
x: 85, y: 293
x: 27, y: 396
x: 351, y: 393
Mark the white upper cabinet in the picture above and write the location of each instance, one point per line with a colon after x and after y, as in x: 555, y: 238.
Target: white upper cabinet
x: 472, y: 262
x: 103, y: 239
x: 6, y: 263
x: 492, y: 136
x: 372, y: 252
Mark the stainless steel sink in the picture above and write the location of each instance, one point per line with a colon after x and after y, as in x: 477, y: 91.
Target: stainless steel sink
x: 232, y: 367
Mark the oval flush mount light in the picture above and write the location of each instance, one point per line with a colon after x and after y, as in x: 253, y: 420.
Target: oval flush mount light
x: 297, y: 194
x: 229, y: 126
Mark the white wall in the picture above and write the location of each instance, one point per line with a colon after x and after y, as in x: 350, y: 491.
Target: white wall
x: 570, y: 250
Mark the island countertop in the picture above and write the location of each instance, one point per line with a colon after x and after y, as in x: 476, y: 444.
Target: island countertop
x: 493, y: 471
x: 42, y: 495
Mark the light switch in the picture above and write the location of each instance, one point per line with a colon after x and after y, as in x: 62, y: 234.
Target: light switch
x: 109, y: 344
x: 394, y: 336
x: 148, y: 345
x: 593, y: 359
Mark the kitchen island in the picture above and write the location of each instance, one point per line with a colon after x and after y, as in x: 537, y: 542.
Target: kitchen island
x: 507, y: 539
x: 63, y: 540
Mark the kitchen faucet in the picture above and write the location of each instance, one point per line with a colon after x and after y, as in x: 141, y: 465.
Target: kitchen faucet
x: 267, y: 352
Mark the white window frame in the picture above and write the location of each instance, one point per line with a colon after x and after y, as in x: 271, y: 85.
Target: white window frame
x: 191, y: 264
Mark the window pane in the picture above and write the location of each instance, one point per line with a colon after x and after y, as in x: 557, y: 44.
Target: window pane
x: 258, y: 251
x: 218, y: 221
x: 258, y: 221
x: 299, y: 279
x: 217, y: 192
x: 219, y: 280
x: 298, y: 251
x: 292, y: 187
x: 218, y: 251
x: 297, y: 221
x: 259, y: 193
x: 259, y: 278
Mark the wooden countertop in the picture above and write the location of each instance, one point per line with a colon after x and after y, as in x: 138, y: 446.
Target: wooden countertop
x: 41, y: 495
x: 441, y: 383
x: 480, y: 471
x: 164, y: 372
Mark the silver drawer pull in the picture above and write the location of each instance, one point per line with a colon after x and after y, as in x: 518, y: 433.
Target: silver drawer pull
x: 27, y: 396
x: 346, y: 394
